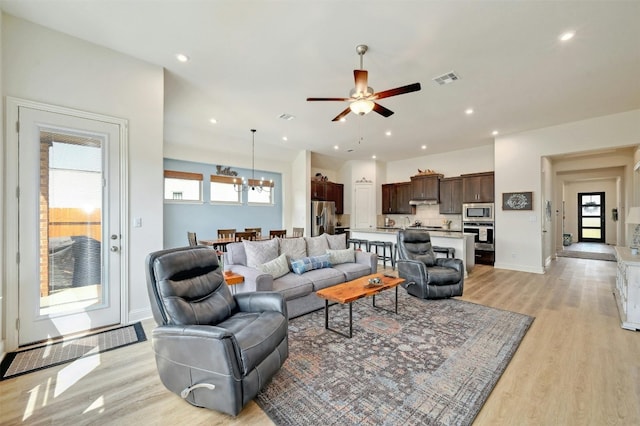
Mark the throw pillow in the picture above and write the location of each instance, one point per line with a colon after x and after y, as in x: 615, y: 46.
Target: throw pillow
x: 306, y: 264
x: 277, y: 267
x: 293, y: 248
x: 317, y: 246
x: 337, y: 242
x: 337, y: 257
x: 260, y: 252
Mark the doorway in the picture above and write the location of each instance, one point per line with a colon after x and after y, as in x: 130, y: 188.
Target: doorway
x: 68, y: 221
x: 591, y: 219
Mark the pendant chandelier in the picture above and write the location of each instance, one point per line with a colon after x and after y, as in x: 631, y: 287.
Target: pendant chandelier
x: 253, y: 184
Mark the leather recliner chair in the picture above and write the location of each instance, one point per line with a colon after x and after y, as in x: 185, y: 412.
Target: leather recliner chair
x: 212, y: 348
x: 425, y: 275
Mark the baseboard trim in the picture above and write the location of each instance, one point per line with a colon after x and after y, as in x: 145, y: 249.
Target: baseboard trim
x: 139, y: 315
x: 521, y: 268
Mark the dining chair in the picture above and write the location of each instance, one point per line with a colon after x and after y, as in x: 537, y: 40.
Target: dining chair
x: 281, y: 233
x: 226, y: 233
x: 246, y: 235
x: 191, y: 237
x: 298, y: 232
x: 258, y: 231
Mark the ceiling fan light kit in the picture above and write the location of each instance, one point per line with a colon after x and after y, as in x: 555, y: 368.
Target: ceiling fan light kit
x: 363, y: 97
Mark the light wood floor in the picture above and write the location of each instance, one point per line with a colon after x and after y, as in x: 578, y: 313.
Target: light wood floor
x: 575, y: 366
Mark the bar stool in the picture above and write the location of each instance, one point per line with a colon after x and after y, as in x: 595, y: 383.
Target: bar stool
x: 450, y: 252
x: 357, y: 243
x: 385, y: 256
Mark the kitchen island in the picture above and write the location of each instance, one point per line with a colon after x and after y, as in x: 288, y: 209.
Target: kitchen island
x: 463, y: 243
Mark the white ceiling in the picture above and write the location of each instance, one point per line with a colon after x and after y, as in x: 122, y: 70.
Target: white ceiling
x: 254, y: 60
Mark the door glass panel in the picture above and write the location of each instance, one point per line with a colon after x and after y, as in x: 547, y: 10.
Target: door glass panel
x: 70, y: 222
x: 591, y: 233
x: 591, y: 222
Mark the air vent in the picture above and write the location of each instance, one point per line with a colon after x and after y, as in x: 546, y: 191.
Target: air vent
x: 286, y: 116
x: 447, y: 78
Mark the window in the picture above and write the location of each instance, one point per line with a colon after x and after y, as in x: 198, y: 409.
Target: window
x: 223, y: 189
x: 182, y: 186
x: 255, y: 196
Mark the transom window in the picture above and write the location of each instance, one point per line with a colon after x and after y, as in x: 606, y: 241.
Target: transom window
x: 182, y: 186
x: 223, y: 189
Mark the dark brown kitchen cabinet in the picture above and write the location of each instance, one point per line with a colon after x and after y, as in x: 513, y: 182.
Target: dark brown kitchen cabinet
x: 451, y: 195
x: 403, y: 196
x: 318, y: 190
x: 425, y: 187
x: 338, y: 197
x: 478, y: 188
x: 328, y: 191
x: 395, y: 198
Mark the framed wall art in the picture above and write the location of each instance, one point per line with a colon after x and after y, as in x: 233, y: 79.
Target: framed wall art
x: 517, y: 201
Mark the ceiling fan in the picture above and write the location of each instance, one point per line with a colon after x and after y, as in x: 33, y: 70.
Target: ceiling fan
x: 362, y: 97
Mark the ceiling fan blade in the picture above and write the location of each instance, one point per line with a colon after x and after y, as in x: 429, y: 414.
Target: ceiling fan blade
x: 329, y: 99
x: 361, y: 78
x: 385, y: 112
x: 343, y: 114
x: 397, y: 91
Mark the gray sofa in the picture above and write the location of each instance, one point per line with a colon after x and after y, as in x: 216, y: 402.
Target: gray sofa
x: 247, y: 258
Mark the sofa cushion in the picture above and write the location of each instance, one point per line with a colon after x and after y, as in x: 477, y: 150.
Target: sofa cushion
x: 322, y: 278
x: 317, y: 246
x: 337, y: 257
x: 306, y: 264
x: 276, y: 267
x: 235, y: 254
x: 337, y: 242
x: 293, y: 286
x: 352, y: 271
x: 293, y: 248
x: 260, y: 252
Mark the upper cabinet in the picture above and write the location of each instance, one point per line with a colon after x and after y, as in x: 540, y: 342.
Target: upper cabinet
x: 478, y: 188
x: 451, y: 195
x: 395, y: 198
x: 328, y: 191
x: 425, y: 187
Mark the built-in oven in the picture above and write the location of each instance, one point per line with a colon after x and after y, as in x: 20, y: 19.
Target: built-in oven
x: 477, y: 212
x: 484, y: 241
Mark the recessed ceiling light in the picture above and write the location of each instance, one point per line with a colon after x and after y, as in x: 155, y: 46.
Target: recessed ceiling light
x: 336, y: 147
x: 388, y: 133
x: 423, y: 147
x: 373, y: 156
x: 494, y: 133
x: 181, y: 57
x: 213, y: 121
x: 567, y: 36
x: 469, y: 111
x: 284, y: 138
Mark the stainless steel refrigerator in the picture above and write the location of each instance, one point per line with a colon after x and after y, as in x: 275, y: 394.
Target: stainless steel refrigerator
x: 323, y: 217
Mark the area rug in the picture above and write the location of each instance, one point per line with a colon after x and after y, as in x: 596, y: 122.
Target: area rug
x: 434, y: 363
x: 52, y: 354
x: 587, y: 255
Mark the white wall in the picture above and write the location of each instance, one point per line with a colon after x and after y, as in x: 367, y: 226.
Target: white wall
x: 517, y: 168
x: 301, y: 192
x: 2, y: 236
x: 53, y: 68
x: 449, y: 164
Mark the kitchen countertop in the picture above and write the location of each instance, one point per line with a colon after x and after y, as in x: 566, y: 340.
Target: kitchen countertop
x: 435, y: 233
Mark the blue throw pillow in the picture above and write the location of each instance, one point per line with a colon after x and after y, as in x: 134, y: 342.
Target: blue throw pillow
x: 305, y: 264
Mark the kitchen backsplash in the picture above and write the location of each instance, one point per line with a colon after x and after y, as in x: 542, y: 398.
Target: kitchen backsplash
x: 428, y: 215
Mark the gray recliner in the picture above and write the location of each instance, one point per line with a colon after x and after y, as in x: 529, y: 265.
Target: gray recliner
x: 212, y: 348
x: 425, y: 275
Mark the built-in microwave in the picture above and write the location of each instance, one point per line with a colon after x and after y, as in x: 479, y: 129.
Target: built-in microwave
x: 477, y: 212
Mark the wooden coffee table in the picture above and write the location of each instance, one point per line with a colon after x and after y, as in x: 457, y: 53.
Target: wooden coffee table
x: 353, y: 290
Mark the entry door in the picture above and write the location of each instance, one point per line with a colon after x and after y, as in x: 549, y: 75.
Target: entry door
x: 591, y: 220
x: 69, y: 224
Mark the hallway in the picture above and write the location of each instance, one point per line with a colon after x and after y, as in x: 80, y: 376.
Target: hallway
x: 596, y: 251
